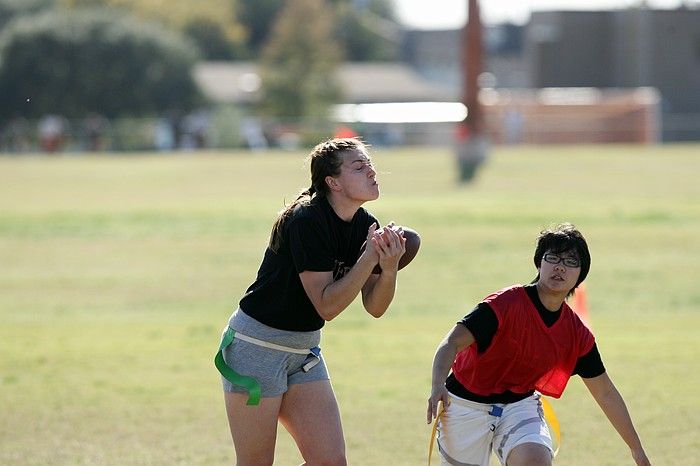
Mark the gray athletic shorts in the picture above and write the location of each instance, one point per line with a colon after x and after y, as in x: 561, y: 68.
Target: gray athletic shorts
x: 274, y: 369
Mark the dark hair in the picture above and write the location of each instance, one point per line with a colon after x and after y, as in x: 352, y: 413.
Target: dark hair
x: 325, y: 160
x: 563, y: 238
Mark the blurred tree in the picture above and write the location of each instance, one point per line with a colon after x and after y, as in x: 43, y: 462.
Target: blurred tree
x: 211, y: 24
x: 258, y: 16
x: 93, y: 61
x: 239, y: 29
x: 213, y: 40
x: 368, y: 33
x: 366, y: 29
x: 9, y: 9
x: 299, y: 62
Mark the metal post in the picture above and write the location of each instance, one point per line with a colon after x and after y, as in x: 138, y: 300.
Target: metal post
x: 472, y: 144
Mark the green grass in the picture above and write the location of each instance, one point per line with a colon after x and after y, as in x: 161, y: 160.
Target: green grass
x: 118, y: 273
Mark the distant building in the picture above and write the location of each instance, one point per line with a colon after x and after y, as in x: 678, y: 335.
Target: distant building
x: 600, y: 49
x: 366, y: 87
x: 436, y: 55
x: 624, y: 48
x: 371, y: 82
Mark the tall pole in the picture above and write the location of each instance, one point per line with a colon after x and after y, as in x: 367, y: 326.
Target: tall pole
x: 472, y: 145
x: 472, y: 50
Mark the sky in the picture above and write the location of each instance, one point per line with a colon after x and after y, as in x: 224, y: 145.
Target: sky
x: 449, y: 14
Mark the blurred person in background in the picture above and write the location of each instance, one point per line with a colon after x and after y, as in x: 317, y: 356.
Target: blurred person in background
x: 314, y: 266
x: 518, y: 343
x: 16, y: 136
x: 52, y: 132
x: 95, y: 128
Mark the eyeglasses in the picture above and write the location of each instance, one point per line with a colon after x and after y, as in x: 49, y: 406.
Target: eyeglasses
x: 568, y: 261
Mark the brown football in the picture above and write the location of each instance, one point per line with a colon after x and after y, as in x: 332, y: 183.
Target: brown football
x: 412, y: 246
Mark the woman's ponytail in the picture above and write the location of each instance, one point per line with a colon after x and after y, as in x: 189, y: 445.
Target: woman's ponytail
x: 276, y: 234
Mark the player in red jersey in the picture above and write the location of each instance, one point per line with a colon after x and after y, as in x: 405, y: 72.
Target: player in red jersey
x: 518, y: 343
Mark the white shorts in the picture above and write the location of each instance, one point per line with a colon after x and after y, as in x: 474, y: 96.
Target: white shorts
x: 468, y: 432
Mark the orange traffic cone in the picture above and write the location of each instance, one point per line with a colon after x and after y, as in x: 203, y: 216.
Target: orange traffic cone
x: 581, y: 305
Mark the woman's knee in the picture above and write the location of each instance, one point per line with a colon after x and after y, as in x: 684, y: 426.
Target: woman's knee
x: 529, y: 454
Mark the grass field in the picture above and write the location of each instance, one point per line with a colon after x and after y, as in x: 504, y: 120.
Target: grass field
x: 118, y: 273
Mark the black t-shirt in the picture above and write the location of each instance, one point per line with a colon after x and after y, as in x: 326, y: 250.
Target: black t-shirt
x: 482, y: 323
x: 314, y: 238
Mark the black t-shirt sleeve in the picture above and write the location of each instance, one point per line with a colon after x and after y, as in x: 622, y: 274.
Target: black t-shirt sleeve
x: 309, y: 245
x: 590, y: 364
x: 370, y: 219
x: 482, y: 323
